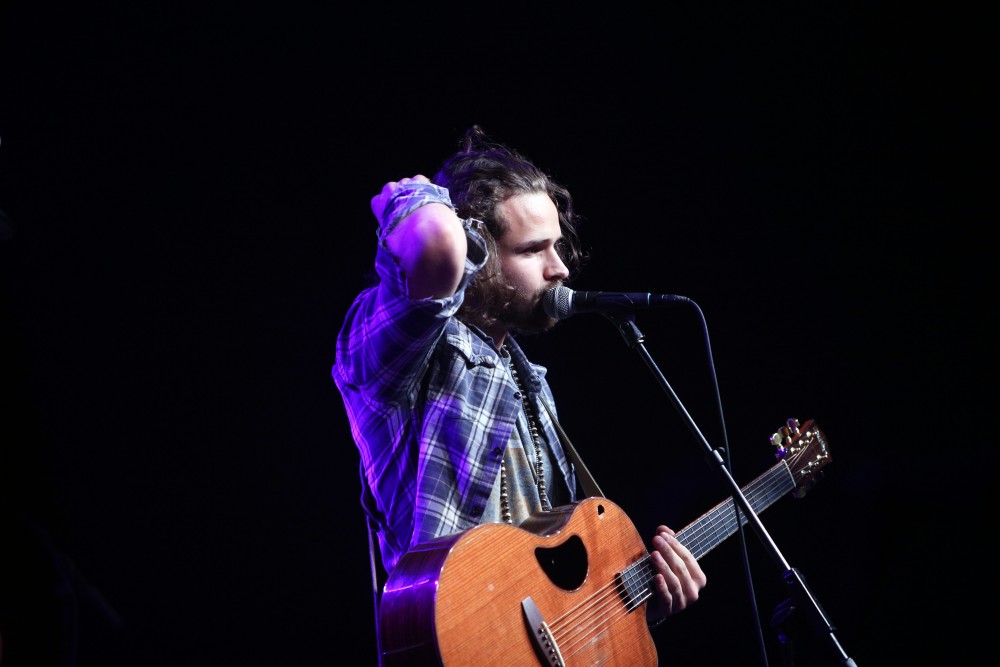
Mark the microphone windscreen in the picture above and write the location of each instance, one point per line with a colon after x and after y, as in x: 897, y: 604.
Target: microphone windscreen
x: 558, y: 302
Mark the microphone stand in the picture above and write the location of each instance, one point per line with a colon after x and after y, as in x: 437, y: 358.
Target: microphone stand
x: 625, y: 321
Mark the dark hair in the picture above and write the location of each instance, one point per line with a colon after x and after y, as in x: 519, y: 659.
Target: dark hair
x: 479, y: 177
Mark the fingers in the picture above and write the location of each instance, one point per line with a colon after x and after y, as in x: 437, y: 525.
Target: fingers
x: 419, y: 178
x: 379, y: 201
x: 391, y: 187
x: 679, y: 578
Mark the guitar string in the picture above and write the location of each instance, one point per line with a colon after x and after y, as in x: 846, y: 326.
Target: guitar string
x: 581, y: 624
x: 581, y: 619
x: 579, y: 616
x: 761, y: 493
x: 768, y: 487
x: 704, y: 534
x: 580, y: 632
x: 707, y: 530
x: 782, y: 482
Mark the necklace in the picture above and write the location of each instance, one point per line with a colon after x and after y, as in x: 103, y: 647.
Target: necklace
x: 533, y: 430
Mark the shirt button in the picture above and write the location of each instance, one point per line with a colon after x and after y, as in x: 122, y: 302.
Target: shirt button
x: 517, y: 395
x: 497, y: 451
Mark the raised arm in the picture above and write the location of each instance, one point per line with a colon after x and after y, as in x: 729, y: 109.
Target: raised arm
x: 428, y: 243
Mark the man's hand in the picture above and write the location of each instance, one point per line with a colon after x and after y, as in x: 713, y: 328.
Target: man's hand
x: 679, y: 577
x: 380, y: 200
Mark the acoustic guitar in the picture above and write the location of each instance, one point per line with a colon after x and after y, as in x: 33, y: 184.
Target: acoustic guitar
x: 567, y: 587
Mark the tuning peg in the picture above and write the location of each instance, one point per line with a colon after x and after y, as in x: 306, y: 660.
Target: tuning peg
x: 789, y: 431
x: 778, y: 440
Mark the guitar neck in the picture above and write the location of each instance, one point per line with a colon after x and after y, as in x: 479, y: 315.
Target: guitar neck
x: 804, y: 452
x: 710, y: 530
x: 719, y: 523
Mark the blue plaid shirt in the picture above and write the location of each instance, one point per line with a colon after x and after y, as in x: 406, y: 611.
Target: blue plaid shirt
x: 430, y: 404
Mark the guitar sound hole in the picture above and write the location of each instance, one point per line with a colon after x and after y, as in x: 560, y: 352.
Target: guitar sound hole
x: 566, y: 564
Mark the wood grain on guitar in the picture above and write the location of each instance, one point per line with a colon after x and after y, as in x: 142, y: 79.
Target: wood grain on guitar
x: 567, y: 587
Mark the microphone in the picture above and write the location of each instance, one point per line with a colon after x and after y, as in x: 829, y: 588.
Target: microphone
x: 560, y: 302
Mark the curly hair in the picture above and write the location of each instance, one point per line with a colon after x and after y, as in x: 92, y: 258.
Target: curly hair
x: 479, y: 177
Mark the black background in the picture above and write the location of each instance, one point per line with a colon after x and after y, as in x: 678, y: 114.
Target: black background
x: 185, y: 193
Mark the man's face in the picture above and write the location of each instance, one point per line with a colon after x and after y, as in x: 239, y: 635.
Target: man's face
x: 528, y: 258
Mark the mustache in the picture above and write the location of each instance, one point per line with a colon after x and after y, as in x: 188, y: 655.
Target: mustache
x: 550, y: 286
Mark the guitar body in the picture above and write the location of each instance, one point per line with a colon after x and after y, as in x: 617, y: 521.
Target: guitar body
x: 565, y: 588
x: 464, y: 599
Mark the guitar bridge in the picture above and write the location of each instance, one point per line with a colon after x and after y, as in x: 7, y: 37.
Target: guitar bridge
x: 541, y: 637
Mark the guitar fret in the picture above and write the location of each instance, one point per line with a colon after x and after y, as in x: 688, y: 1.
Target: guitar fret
x: 635, y: 583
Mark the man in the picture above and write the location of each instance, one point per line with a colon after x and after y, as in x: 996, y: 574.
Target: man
x: 455, y: 427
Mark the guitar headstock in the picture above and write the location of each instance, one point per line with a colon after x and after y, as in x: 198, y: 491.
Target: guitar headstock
x: 804, y: 449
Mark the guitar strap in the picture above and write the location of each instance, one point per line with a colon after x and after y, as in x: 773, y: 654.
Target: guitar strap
x: 587, y: 481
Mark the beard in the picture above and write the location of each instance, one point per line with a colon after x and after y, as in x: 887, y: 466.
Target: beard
x: 524, y: 311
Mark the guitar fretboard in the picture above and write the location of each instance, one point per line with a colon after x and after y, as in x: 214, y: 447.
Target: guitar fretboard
x: 719, y: 523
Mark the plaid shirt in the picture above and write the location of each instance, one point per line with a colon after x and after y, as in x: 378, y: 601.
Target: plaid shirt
x: 430, y: 404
